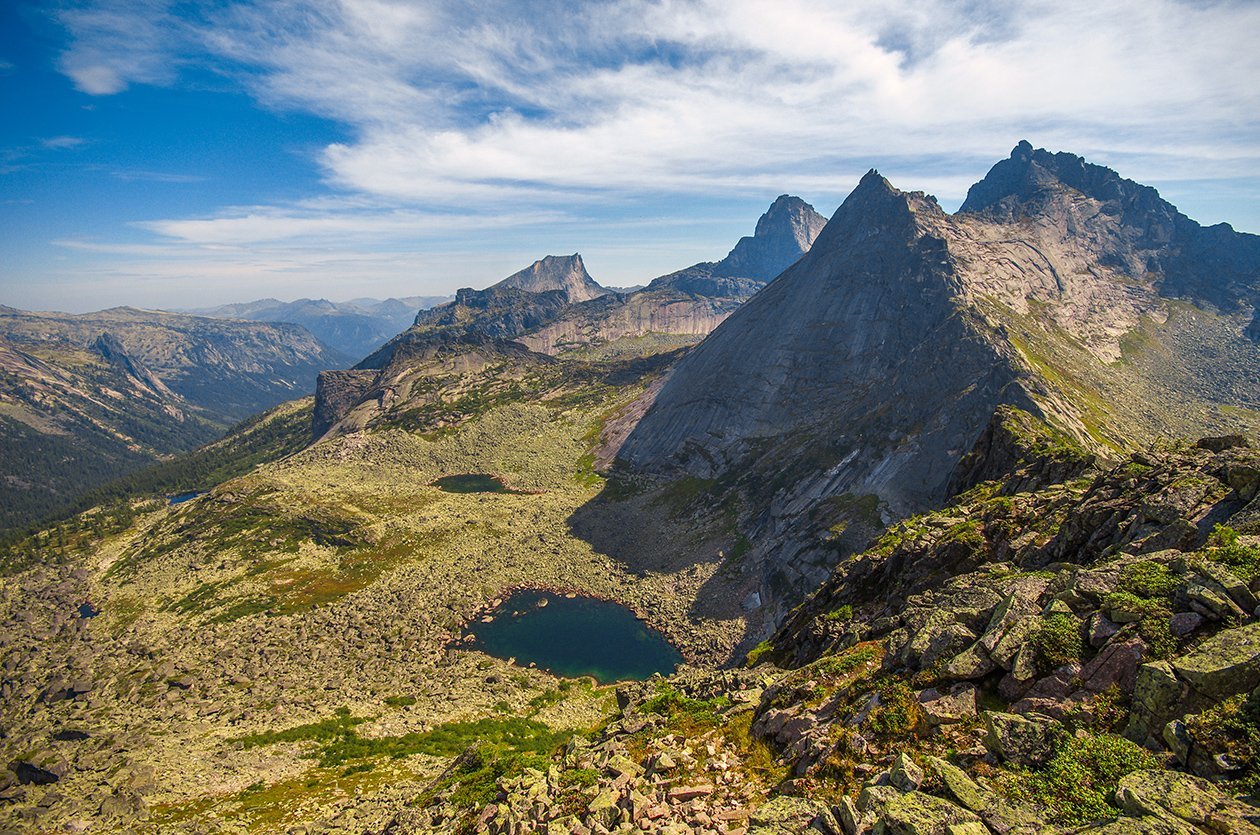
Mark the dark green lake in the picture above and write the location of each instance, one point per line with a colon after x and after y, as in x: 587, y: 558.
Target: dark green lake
x: 471, y: 483
x: 574, y: 637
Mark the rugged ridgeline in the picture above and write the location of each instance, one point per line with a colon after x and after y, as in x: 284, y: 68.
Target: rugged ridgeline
x: 848, y: 390
x: 354, y: 328
x: 554, y: 307
x: 88, y: 398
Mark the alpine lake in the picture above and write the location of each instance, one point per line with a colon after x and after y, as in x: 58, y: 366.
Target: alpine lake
x: 572, y: 637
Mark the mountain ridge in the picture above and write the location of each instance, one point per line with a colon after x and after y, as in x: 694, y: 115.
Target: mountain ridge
x: 874, y: 363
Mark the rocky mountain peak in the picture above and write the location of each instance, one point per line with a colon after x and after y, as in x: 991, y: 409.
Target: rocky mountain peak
x: 872, y: 210
x: 784, y: 233
x: 1136, y: 233
x: 1031, y: 175
x: 557, y: 272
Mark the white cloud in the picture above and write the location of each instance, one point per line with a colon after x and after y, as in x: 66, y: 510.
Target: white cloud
x: 116, y: 43
x: 449, y: 107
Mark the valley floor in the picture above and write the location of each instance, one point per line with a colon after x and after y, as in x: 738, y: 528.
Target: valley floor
x: 336, y: 580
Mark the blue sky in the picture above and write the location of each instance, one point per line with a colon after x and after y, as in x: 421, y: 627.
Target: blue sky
x: 169, y: 154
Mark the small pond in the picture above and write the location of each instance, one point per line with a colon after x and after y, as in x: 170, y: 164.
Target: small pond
x: 180, y: 498
x: 574, y: 636
x: 471, y: 483
x: 87, y: 610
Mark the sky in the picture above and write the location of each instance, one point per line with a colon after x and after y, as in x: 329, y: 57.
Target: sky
x: 183, y: 154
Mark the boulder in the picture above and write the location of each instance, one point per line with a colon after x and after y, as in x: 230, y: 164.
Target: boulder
x: 1244, y: 477
x: 1021, y: 740
x: 917, y: 813
x: 905, y: 774
x: 999, y: 814
x: 1115, y: 666
x: 1158, y: 698
x: 1176, y: 797
x: 784, y: 815
x: 958, y: 705
x: 40, y: 768
x: 1100, y: 629
x: 1224, y: 665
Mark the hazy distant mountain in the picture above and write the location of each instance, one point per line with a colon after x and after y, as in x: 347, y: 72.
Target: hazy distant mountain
x: 355, y: 328
x: 86, y: 398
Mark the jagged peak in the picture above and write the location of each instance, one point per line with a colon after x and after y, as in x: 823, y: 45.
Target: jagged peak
x: 784, y: 232
x: 874, y: 203
x: 1029, y: 174
x: 556, y: 272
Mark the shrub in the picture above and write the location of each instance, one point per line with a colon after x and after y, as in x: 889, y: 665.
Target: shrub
x: 1224, y: 547
x: 400, y: 701
x: 843, y: 614
x: 1147, y: 579
x: 898, y: 711
x: 1058, y: 640
x: 1077, y: 785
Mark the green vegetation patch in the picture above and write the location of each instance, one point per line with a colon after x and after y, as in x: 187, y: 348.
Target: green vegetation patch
x: 1151, y: 616
x: 1225, y: 546
x: 1058, y: 640
x: 1078, y: 784
x: 1147, y: 580
x: 685, y: 713
x: 337, y: 742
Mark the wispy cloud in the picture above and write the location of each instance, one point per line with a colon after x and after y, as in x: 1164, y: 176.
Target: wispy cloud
x: 62, y: 143
x: 120, y: 42
x: 134, y: 175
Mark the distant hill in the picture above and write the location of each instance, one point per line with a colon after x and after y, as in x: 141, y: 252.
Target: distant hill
x: 87, y: 398
x: 355, y: 328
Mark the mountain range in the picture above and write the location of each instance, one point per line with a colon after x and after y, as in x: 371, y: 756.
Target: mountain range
x: 953, y: 518
x: 354, y: 328
x: 554, y: 307
x: 872, y: 366
x: 86, y: 398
